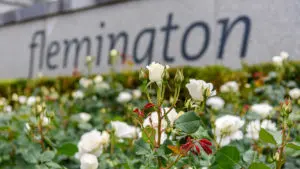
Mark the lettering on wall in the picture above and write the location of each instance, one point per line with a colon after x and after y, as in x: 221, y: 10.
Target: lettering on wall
x: 56, y: 54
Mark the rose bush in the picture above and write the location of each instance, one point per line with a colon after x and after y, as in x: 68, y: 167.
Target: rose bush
x: 170, y: 120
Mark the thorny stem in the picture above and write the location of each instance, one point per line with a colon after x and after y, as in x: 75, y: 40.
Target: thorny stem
x: 280, y: 160
x: 40, y: 129
x: 174, y: 162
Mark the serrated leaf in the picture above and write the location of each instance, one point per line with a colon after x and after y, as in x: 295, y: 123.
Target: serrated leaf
x: 149, y: 135
x: 53, y: 165
x: 258, y: 166
x: 47, y: 156
x: 189, y: 122
x: 295, y: 146
x: 266, y: 137
x: 31, y: 156
x: 141, y: 147
x: 68, y: 149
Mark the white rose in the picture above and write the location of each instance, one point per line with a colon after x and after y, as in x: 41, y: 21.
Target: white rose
x: 124, y: 97
x: 294, y: 93
x: 228, y: 128
x: 88, y: 161
x: 253, y: 129
x: 262, y: 109
x: 85, y: 117
x: 31, y: 100
x: 102, y: 85
x: 84, y: 82
x: 268, y: 125
x: 136, y: 93
x: 277, y: 60
x: 199, y: 89
x: 78, y: 94
x: 123, y: 130
x: 90, y: 142
x: 156, y: 71
x: 22, y: 99
x: 98, y: 79
x: 105, y: 138
x: 152, y: 121
x: 215, y: 102
x: 231, y: 86
x: 8, y: 108
x: 284, y: 55
x: 45, y: 121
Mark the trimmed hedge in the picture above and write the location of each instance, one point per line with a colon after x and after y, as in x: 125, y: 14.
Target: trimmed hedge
x: 216, y: 74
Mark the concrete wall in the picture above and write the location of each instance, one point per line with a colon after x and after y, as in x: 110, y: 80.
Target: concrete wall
x: 174, y: 32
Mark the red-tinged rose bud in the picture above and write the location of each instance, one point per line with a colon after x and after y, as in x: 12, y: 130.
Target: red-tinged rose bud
x: 205, y: 144
x: 149, y: 105
x: 139, y: 112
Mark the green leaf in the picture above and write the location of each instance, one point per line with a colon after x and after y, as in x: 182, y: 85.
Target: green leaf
x: 249, y: 156
x: 31, y: 156
x: 295, y: 146
x: 68, y: 149
x: 52, y: 165
x: 258, y: 166
x: 200, y: 133
x: 266, y: 137
x: 149, y: 135
x: 47, y: 156
x: 189, y: 122
x: 141, y: 147
x: 227, y: 157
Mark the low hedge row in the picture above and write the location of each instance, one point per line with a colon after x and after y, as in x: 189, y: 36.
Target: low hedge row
x: 216, y: 74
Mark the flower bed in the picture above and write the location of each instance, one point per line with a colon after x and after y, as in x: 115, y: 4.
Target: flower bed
x: 159, y: 117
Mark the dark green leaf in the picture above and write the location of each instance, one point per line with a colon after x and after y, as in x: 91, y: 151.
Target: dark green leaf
x: 68, y: 149
x: 227, y: 157
x: 189, y: 122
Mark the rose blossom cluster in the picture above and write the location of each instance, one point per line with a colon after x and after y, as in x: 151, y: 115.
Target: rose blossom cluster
x: 90, y: 147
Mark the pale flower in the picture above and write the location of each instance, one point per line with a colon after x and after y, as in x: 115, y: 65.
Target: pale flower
x: 294, y: 93
x: 215, y: 102
x: 90, y: 142
x: 15, y: 97
x: 84, y: 82
x: 85, y: 117
x: 228, y: 129
x: 284, y: 55
x: 231, y: 86
x: 27, y: 127
x: 98, y: 79
x: 156, y: 71
x: 253, y: 128
x: 45, y: 121
x: 123, y: 130
x: 152, y: 121
x: 136, y: 93
x: 102, y: 85
x: 22, y: 99
x: 8, y: 108
x: 277, y: 60
x: 124, y: 97
x: 31, y: 100
x: 78, y: 94
x: 263, y: 109
x: 105, y: 139
x: 198, y: 89
x: 268, y: 125
x: 88, y: 161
